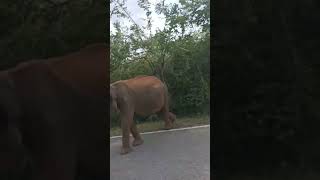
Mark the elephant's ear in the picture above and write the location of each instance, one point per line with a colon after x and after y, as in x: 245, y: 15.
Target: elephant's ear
x: 114, y: 98
x: 124, y: 98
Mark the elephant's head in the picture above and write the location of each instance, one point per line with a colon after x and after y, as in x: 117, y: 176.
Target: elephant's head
x: 11, y: 148
x: 113, y: 100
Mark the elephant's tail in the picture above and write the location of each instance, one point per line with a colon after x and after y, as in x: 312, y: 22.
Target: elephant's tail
x: 167, y: 96
x: 172, y: 116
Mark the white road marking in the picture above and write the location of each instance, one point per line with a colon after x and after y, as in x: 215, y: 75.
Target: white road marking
x: 161, y: 131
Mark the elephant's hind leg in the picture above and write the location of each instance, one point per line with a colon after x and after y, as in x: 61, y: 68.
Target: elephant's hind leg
x: 164, y: 114
x: 172, y: 117
x: 137, y: 138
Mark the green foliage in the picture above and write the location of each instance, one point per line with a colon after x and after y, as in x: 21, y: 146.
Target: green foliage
x: 178, y: 54
x: 266, y: 102
x: 188, y: 75
x: 36, y: 29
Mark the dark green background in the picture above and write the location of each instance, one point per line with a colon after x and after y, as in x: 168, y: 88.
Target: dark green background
x: 36, y: 29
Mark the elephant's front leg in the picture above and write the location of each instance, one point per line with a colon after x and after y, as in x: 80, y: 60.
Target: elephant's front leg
x: 126, y: 121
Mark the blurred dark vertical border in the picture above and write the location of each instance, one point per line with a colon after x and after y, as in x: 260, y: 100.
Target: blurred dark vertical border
x: 39, y: 29
x: 265, y: 89
x: 108, y: 31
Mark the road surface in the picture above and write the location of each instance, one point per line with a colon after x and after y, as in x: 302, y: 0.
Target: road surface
x: 172, y: 155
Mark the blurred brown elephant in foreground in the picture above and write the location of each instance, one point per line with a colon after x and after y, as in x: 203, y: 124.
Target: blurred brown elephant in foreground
x: 143, y: 96
x: 53, y: 117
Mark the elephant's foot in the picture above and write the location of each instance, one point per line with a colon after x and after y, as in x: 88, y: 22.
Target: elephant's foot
x: 168, y: 126
x: 125, y: 150
x: 137, y: 142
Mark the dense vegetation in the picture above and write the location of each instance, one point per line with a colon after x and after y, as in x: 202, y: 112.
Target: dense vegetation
x: 178, y: 53
x: 266, y: 88
x: 36, y: 29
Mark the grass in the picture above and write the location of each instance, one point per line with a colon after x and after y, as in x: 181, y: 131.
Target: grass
x: 159, y: 124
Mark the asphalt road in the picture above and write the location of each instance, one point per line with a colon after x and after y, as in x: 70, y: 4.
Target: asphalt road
x: 173, y: 155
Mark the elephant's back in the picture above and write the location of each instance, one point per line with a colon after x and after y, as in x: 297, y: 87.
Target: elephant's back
x: 85, y: 70
x: 149, y: 94
x: 144, y: 82
x: 146, y: 86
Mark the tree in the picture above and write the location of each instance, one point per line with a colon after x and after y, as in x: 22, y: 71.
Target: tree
x: 177, y: 53
x: 40, y: 29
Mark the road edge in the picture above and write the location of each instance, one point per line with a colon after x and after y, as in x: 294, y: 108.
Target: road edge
x: 170, y: 130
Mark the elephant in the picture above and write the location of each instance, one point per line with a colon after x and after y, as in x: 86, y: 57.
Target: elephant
x: 143, y: 96
x: 53, y: 117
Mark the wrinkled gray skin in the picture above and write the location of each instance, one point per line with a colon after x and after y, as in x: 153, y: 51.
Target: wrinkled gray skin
x: 143, y: 96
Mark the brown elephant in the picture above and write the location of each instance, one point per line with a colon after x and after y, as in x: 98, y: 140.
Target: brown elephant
x: 143, y: 96
x: 53, y: 117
